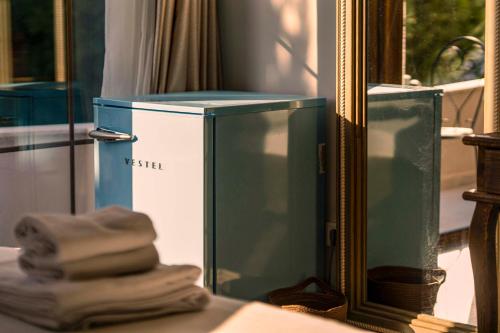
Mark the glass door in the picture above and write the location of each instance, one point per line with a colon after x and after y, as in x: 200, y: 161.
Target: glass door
x: 425, y: 93
x: 87, y: 54
x: 34, y: 133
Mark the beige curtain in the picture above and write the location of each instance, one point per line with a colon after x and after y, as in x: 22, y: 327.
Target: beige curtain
x: 186, y: 46
x: 5, y: 42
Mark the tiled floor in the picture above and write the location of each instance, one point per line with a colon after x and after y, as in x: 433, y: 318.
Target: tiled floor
x: 455, y: 300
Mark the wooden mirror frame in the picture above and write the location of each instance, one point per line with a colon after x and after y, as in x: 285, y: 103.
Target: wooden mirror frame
x: 352, y: 170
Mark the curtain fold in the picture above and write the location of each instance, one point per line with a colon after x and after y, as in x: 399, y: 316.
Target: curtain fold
x: 158, y: 46
x: 187, y: 50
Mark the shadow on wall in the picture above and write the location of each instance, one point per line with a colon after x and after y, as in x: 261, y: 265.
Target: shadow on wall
x: 282, y: 46
x: 272, y: 42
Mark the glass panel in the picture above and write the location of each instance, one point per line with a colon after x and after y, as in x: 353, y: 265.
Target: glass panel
x: 276, y: 203
x: 130, y: 30
x: 34, y: 134
x: 425, y: 93
x: 88, y: 57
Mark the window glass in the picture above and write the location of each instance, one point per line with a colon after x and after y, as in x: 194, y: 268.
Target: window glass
x: 34, y: 132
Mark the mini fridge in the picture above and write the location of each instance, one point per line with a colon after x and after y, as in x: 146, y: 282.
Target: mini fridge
x: 234, y: 182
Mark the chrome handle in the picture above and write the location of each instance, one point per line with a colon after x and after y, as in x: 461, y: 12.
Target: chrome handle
x: 107, y: 135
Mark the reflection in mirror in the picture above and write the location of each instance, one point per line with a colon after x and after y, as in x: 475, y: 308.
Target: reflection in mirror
x: 34, y: 131
x: 425, y: 92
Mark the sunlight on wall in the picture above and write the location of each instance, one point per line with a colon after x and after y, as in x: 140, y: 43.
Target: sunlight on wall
x: 455, y: 300
x: 290, y: 18
x: 272, y: 45
x: 284, y: 59
x: 296, y: 44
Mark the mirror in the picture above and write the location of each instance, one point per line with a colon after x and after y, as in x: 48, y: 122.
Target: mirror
x: 425, y: 84
x: 35, y: 137
x: 409, y: 87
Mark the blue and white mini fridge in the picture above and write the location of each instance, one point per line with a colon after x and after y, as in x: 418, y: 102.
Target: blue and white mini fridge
x: 234, y: 182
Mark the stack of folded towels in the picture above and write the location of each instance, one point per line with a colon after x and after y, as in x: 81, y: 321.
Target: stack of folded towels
x: 73, y: 272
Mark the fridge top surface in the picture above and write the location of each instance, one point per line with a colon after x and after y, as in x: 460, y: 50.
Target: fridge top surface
x: 392, y: 92
x: 212, y: 103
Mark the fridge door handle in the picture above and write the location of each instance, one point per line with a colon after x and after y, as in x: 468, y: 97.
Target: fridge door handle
x: 107, y: 135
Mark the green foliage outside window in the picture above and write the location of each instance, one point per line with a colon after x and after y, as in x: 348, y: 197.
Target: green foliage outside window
x: 430, y: 24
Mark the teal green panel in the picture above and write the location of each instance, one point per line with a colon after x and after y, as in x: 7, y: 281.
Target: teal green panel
x: 38, y: 103
x: 268, y: 223
x: 15, y: 111
x: 209, y: 205
x: 403, y: 177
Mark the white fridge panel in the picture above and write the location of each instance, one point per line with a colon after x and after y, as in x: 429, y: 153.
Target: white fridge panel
x: 167, y: 182
x: 161, y: 173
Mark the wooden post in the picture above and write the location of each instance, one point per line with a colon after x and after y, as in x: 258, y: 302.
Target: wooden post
x: 386, y: 41
x: 483, y: 236
x: 59, y: 41
x: 492, y: 67
x: 5, y: 42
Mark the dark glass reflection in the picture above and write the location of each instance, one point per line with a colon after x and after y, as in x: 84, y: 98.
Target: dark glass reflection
x: 88, y: 62
x: 34, y: 154
x: 425, y: 92
x: 88, y: 55
x: 33, y: 40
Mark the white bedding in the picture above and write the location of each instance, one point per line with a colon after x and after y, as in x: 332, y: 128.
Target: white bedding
x: 222, y: 315
x: 217, y: 311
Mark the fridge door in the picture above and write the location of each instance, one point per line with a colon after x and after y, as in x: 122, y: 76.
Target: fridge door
x: 158, y: 170
x: 269, y: 223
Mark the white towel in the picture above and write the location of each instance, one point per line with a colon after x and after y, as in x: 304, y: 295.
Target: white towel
x: 68, y: 238
x: 133, y: 261
x: 107, y: 242
x: 62, y: 304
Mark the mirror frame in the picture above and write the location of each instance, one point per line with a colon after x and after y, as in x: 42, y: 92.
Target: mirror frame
x: 351, y: 91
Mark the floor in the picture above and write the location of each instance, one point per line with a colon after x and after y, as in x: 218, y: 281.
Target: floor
x: 455, y: 300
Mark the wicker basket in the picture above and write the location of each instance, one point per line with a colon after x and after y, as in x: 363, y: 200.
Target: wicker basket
x: 406, y: 288
x: 326, y: 303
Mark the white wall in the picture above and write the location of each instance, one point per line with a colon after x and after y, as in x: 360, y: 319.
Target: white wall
x: 282, y: 46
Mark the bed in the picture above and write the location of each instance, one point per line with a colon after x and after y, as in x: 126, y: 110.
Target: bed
x: 223, y: 315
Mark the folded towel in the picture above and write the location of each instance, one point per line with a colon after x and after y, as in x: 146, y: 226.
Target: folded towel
x: 133, y: 261
x: 68, y: 238
x: 62, y: 304
x: 108, y: 242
